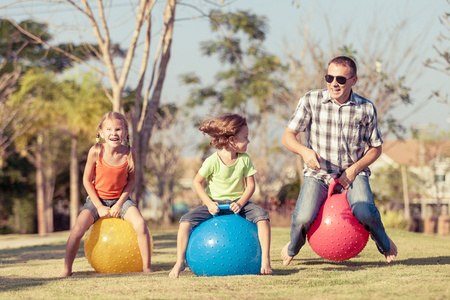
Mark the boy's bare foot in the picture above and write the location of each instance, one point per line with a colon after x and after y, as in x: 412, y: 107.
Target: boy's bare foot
x: 65, y: 274
x: 266, y: 269
x: 176, y: 270
x: 392, y: 254
x: 285, y: 256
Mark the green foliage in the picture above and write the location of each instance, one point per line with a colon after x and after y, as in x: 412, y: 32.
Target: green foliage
x: 394, y: 219
x: 23, y: 217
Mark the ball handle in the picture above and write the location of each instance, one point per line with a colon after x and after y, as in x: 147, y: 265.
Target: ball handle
x: 224, y: 207
x: 331, y: 188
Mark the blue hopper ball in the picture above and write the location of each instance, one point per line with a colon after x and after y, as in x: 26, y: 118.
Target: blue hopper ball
x: 224, y: 245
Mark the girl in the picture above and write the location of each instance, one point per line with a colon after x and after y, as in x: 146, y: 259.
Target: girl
x: 109, y: 178
x: 230, y: 180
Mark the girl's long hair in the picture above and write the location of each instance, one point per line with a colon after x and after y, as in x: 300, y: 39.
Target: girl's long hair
x: 98, y: 145
x: 221, y: 128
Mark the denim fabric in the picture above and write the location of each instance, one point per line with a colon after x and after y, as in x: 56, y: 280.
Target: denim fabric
x: 312, y: 195
x: 250, y: 211
x: 109, y: 202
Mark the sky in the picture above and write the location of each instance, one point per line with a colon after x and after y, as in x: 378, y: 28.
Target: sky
x: 285, y: 19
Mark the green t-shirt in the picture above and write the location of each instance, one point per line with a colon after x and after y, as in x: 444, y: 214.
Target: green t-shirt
x: 226, y: 182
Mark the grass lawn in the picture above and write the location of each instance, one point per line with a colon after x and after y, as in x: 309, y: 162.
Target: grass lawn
x: 421, y: 271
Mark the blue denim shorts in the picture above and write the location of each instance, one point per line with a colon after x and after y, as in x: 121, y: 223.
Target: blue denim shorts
x: 107, y: 202
x: 250, y: 211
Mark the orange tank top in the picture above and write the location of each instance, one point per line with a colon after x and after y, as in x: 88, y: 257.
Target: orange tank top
x: 110, y: 180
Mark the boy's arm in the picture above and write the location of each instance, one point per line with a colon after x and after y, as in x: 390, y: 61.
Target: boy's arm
x: 248, y: 193
x: 200, y: 190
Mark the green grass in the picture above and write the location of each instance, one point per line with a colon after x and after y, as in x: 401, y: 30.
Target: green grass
x: 421, y: 271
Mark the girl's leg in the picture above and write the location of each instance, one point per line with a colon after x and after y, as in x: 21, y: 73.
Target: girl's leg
x: 134, y: 217
x: 264, y: 240
x: 182, y: 242
x: 84, y: 221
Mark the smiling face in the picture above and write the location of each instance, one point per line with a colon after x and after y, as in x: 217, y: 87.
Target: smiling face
x: 113, y: 132
x: 341, y: 92
x: 240, y: 140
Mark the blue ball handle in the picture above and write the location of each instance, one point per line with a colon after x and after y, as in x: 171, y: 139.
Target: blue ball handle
x: 223, y: 206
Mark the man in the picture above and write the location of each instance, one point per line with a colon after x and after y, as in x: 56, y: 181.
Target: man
x: 342, y: 140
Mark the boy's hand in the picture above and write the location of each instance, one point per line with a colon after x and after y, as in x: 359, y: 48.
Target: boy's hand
x: 235, y: 207
x: 213, y: 208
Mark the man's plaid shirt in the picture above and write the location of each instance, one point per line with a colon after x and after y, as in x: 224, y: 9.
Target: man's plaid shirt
x: 340, y: 134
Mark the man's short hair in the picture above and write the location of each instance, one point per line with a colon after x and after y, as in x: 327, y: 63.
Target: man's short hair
x: 344, y: 61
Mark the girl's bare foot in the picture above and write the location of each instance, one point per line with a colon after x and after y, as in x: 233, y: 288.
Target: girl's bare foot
x: 176, y: 270
x: 147, y: 270
x: 392, y: 254
x: 285, y: 256
x: 65, y: 273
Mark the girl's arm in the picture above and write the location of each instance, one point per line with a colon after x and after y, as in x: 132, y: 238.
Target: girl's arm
x: 89, y: 186
x: 200, y: 190
x: 116, y: 209
x: 248, y: 193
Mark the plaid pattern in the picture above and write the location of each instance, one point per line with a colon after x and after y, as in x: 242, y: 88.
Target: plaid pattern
x: 338, y: 133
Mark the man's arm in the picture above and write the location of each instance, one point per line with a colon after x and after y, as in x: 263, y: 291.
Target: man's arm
x: 310, y: 157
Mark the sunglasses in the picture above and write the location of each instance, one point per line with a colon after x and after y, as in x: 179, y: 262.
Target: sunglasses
x: 339, y: 79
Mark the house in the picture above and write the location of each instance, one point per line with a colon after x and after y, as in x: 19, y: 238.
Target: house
x: 430, y: 162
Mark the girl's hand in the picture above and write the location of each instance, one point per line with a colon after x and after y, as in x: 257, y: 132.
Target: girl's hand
x: 115, y: 211
x: 103, y: 211
x: 235, y: 207
x: 213, y: 208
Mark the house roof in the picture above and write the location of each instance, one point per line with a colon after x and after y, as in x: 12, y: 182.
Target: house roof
x: 411, y: 153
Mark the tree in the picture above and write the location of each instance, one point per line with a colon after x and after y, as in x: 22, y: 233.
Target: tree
x: 163, y: 169
x: 442, y: 62
x: 250, y: 85
x: 148, y: 94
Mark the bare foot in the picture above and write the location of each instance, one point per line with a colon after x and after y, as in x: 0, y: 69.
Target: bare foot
x: 176, y: 270
x: 65, y: 273
x: 285, y: 256
x: 392, y: 254
x: 147, y: 270
x: 266, y: 269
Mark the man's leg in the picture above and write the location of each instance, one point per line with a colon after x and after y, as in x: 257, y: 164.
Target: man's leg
x: 361, y: 201
x: 312, y: 195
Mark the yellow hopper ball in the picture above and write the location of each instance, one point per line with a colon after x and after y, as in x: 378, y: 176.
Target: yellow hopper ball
x: 111, y: 246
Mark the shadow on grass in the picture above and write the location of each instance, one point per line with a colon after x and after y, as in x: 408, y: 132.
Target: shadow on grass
x: 354, y: 265
x: 42, y: 252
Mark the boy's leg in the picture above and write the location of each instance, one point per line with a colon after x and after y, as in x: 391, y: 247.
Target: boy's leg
x: 82, y: 224
x: 264, y: 240
x: 182, y: 241
x: 189, y: 220
x: 134, y: 217
x: 361, y: 201
x: 312, y: 195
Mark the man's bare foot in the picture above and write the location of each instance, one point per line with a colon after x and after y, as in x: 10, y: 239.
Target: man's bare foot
x: 285, y: 256
x: 176, y: 270
x: 65, y: 273
x: 392, y: 254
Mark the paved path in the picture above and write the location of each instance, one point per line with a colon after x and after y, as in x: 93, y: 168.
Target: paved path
x: 11, y: 241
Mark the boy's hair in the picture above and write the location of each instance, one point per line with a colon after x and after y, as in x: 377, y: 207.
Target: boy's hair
x: 344, y: 61
x: 221, y: 128
x: 121, y: 118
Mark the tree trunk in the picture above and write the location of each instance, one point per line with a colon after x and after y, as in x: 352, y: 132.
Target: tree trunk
x: 142, y: 136
x: 40, y: 189
x: 74, y: 182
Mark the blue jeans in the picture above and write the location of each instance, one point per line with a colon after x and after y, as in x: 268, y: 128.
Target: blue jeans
x: 312, y: 195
